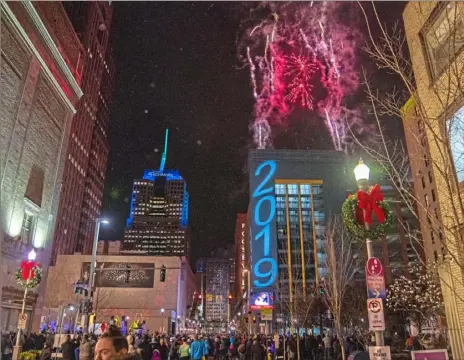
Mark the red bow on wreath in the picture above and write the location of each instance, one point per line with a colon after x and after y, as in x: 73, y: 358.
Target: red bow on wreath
x: 27, y: 271
x: 369, y: 202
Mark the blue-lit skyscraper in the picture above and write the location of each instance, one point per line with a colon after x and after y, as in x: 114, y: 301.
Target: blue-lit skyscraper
x: 158, y: 219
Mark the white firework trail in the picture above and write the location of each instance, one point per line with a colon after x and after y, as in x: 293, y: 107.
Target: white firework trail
x: 331, y: 130
x: 252, y: 73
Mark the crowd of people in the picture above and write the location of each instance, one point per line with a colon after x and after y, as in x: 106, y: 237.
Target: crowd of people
x: 114, y: 345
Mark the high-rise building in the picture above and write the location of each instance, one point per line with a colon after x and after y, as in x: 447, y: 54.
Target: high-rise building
x: 82, y: 186
x: 40, y: 73
x: 434, y: 32
x: 293, y: 193
x: 424, y: 184
x: 216, y: 293
x: 242, y: 255
x: 158, y: 220
x: 402, y: 245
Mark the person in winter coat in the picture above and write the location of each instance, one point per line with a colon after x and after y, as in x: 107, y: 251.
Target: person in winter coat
x: 146, y: 348
x: 164, y: 350
x: 7, y: 347
x: 85, y: 349
x: 46, y: 353
x: 196, y: 349
x: 184, y: 351
x: 67, y: 349
x: 257, y: 351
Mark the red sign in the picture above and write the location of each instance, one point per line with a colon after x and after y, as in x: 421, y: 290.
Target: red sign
x: 374, y: 267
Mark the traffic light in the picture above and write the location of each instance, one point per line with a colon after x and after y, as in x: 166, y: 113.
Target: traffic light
x: 80, y: 289
x: 246, y: 319
x: 321, y: 290
x: 230, y: 299
x: 254, y: 319
x: 163, y: 274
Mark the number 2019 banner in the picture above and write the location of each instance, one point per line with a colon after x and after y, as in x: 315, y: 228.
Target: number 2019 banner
x: 263, y: 226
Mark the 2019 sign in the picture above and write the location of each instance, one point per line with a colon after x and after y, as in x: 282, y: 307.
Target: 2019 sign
x: 264, y: 263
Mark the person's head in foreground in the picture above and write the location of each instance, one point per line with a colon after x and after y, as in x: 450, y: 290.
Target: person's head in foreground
x: 111, y: 345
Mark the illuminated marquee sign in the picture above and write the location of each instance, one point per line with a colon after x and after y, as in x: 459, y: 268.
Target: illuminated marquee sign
x: 263, y: 226
x: 168, y: 174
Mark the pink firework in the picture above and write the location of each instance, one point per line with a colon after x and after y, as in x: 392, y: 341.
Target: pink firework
x: 300, y: 70
x: 309, y: 61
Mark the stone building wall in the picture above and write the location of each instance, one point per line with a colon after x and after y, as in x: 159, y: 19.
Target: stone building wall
x: 173, y: 295
x: 35, y: 113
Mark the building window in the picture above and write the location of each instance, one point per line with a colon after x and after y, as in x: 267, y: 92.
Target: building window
x: 444, y: 36
x: 455, y: 129
x: 433, y: 195
x: 27, y: 229
x: 423, y: 182
x: 430, y: 177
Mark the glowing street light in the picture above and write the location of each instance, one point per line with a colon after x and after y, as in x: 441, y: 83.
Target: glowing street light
x: 32, y: 255
x: 361, y: 171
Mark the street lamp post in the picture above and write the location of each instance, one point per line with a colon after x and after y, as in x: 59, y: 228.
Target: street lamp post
x: 18, y: 346
x: 162, y: 320
x: 93, y: 263
x: 361, y: 173
x: 248, y: 297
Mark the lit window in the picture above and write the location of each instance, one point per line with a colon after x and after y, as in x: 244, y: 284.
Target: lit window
x: 27, y: 228
x: 455, y: 128
x: 444, y: 37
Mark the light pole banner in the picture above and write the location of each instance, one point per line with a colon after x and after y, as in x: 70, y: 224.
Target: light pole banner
x: 263, y: 225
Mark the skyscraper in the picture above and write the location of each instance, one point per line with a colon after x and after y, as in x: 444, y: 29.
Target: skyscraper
x: 82, y: 186
x: 158, y: 219
x: 293, y: 193
x: 39, y: 91
x: 217, y: 275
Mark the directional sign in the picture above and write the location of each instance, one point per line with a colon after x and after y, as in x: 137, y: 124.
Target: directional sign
x: 375, y: 279
x: 376, y: 315
x: 22, y: 321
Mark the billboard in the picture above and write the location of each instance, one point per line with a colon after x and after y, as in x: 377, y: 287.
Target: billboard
x: 263, y: 225
x: 122, y: 275
x: 261, y: 300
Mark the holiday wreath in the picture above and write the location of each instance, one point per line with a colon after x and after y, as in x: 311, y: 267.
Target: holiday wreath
x: 29, y: 274
x: 354, y: 217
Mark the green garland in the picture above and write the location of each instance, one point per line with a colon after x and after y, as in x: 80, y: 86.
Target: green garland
x: 32, y: 283
x: 358, y: 230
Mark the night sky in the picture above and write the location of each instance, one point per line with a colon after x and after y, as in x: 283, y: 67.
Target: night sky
x: 177, y: 68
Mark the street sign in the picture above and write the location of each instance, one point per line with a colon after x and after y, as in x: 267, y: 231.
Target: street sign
x: 379, y: 353
x: 376, y: 315
x: 266, y: 314
x: 375, y: 279
x: 22, y: 321
x: 438, y: 354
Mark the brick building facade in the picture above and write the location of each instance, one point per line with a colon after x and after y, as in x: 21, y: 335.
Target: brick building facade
x: 39, y: 89
x: 83, y: 180
x: 434, y: 32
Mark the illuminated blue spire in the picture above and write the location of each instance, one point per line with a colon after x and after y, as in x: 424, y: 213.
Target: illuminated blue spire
x: 165, y: 152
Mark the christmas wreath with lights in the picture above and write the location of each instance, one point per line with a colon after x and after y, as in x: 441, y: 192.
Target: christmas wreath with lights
x: 354, y: 217
x: 29, y: 274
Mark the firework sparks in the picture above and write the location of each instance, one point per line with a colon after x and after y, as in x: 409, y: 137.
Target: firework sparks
x: 300, y: 69
x: 295, y: 63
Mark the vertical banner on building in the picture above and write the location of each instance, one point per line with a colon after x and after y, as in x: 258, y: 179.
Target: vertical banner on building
x: 263, y: 225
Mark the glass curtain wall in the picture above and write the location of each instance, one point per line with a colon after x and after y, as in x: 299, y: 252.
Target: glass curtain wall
x: 300, y: 231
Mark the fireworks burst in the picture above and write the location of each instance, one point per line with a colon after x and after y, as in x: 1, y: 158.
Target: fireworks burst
x: 301, y: 70
x: 300, y: 56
